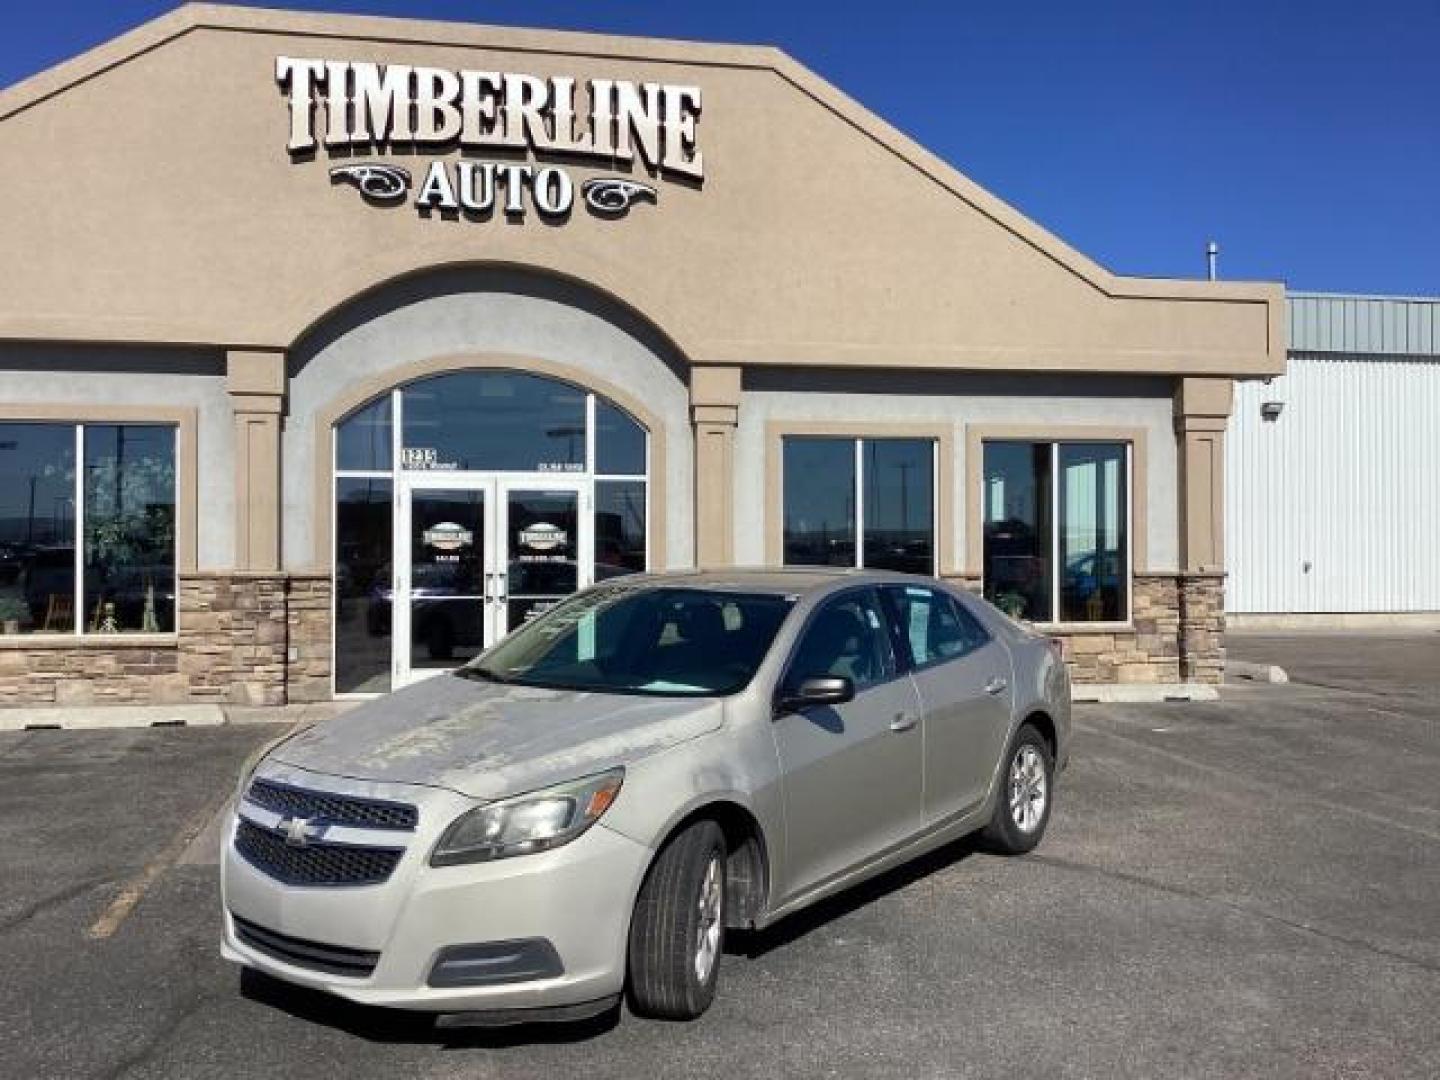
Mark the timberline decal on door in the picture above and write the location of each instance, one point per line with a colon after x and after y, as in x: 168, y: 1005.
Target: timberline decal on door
x: 542, y: 536
x: 448, y: 536
x: 346, y: 105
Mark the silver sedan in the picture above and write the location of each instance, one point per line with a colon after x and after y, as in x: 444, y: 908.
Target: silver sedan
x: 585, y: 809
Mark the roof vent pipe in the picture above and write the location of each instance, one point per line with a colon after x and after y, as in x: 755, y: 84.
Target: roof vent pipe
x: 1212, y: 260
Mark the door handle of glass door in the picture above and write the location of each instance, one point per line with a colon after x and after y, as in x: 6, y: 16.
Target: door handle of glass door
x: 996, y: 685
x: 903, y: 722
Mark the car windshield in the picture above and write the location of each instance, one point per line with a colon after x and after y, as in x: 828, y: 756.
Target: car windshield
x: 639, y: 639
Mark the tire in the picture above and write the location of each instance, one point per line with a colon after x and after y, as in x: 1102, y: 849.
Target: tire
x: 670, y: 942
x: 1020, y: 817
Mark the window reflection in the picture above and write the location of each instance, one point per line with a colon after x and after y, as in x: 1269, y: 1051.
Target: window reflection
x: 819, y: 484
x: 899, y: 505
x: 37, y: 528
x: 362, y: 585
x: 619, y: 528
x: 895, y: 518
x: 1017, y: 529
x: 363, y: 440
x: 1093, y: 514
x: 619, y: 442
x: 1089, y: 542
x: 129, y: 528
x: 495, y: 420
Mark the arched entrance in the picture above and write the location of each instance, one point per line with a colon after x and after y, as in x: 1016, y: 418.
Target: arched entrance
x: 468, y: 501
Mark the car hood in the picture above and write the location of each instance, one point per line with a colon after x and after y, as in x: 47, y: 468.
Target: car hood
x: 489, y: 740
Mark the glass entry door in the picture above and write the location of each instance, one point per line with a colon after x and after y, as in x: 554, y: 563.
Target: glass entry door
x: 443, y: 585
x: 546, y: 556
x: 477, y: 557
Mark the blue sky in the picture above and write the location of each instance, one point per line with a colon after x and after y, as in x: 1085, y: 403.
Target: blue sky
x: 1304, y: 137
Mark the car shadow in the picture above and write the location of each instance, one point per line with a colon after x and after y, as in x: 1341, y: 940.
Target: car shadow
x: 754, y: 944
x: 382, y: 1025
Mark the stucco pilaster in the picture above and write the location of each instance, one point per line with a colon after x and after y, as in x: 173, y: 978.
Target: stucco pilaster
x: 256, y: 383
x: 715, y: 412
x: 1202, y: 408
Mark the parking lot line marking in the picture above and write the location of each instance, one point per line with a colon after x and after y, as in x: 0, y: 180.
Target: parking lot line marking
x: 134, y: 890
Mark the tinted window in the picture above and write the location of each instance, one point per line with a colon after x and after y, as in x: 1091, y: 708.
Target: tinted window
x: 934, y: 625
x: 846, y: 638
x: 502, y: 420
x: 362, y: 586
x: 619, y: 442
x: 1093, y: 515
x: 619, y: 527
x: 627, y: 640
x: 37, y: 527
x: 363, y: 440
x: 819, y: 481
x: 899, y: 505
x: 1017, y: 529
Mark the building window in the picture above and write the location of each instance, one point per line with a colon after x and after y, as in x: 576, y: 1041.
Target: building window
x: 120, y: 575
x: 496, y: 421
x: 364, y: 508
x: 859, y: 502
x: 1057, y: 525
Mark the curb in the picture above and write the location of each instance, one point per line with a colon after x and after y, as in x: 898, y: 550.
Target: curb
x: 1266, y: 673
x: 103, y: 717
x: 118, y: 717
x: 1142, y: 693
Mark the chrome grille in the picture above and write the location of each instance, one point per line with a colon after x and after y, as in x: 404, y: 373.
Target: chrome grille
x: 331, y: 808
x: 334, y: 959
x: 316, y: 862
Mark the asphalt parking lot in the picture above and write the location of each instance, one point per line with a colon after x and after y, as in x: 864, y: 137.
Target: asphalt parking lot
x: 1242, y: 888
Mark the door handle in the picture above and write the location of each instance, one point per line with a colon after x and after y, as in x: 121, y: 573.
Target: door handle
x: 903, y: 722
x: 996, y: 685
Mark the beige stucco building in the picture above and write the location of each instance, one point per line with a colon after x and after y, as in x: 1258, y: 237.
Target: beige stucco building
x: 341, y: 345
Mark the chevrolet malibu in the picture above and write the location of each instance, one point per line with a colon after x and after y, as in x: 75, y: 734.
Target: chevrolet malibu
x: 586, y: 808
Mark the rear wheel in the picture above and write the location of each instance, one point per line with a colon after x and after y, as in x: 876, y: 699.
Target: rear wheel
x: 1027, y: 784
x: 678, y: 928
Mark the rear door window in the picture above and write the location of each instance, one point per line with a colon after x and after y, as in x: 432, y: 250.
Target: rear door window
x: 932, y: 626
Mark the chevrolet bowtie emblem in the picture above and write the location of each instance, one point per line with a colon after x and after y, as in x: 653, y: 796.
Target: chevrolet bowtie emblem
x: 298, y: 831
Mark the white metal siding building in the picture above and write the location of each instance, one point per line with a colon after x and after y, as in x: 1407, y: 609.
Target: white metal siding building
x: 1333, y: 506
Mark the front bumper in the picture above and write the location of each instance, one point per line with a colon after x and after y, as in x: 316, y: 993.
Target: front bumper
x: 578, y: 898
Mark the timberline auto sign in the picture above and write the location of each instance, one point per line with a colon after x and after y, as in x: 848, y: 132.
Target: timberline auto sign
x: 352, y: 105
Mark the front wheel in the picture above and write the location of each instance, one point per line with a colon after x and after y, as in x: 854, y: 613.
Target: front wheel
x: 1027, y: 784
x: 678, y: 928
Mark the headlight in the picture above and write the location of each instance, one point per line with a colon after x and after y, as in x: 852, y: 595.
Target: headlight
x: 538, y: 821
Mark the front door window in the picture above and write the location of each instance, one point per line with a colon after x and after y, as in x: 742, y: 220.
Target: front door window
x: 447, y: 577
x: 542, y: 540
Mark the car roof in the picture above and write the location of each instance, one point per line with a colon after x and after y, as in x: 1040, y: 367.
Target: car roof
x: 781, y: 580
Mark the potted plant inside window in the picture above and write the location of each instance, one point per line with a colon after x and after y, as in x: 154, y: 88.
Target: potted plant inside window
x: 129, y: 537
x: 1011, y: 603
x: 11, y: 612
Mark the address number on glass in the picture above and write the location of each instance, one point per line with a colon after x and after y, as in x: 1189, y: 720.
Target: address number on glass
x: 422, y: 458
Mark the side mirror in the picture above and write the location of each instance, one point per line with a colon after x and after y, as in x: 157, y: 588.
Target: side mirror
x: 811, y: 693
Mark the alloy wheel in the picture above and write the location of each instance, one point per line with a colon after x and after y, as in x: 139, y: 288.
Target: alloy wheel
x: 707, y: 931
x: 1028, y: 789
